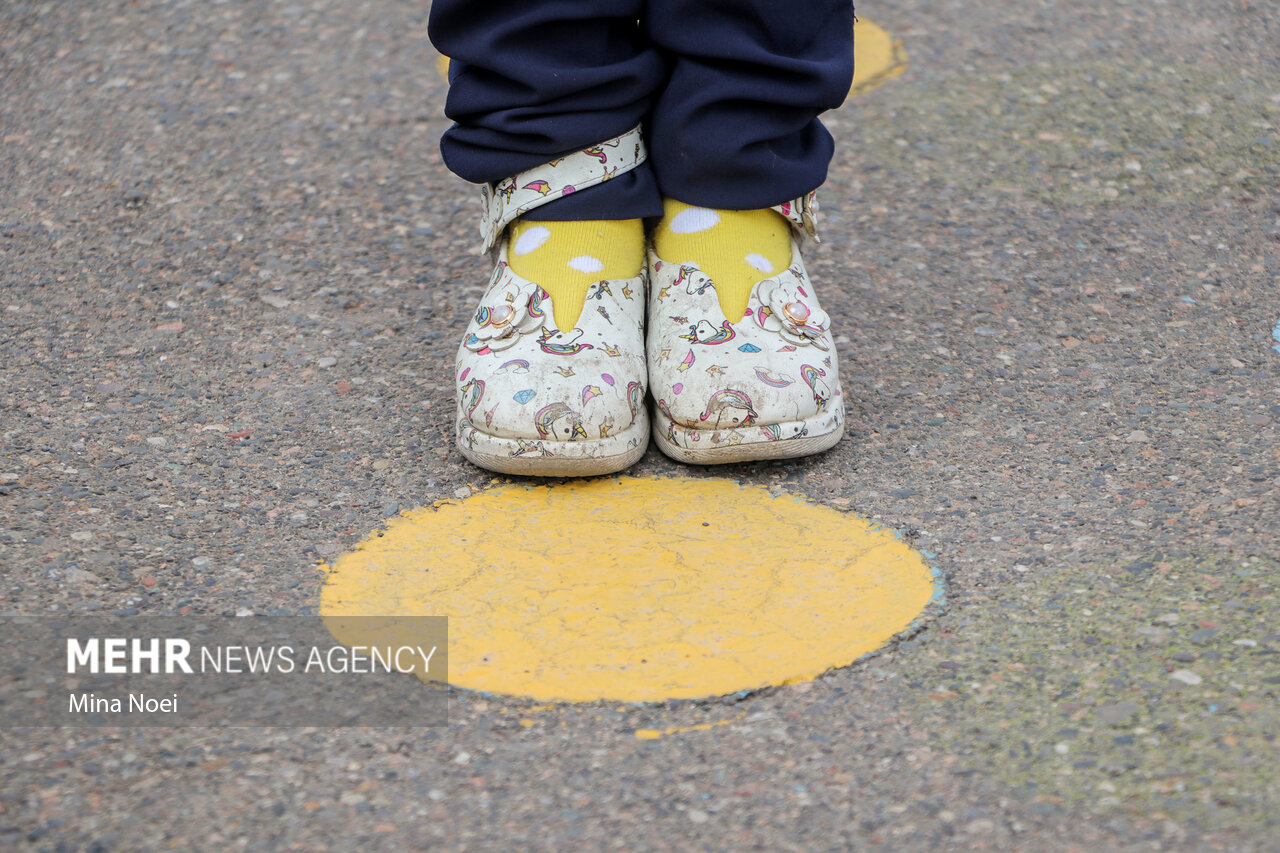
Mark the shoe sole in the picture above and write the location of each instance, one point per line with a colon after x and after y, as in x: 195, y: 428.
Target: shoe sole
x: 495, y: 453
x: 787, y: 448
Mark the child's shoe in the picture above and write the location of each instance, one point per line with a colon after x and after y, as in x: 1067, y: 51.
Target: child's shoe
x: 534, y: 398
x: 551, y: 373
x: 762, y: 384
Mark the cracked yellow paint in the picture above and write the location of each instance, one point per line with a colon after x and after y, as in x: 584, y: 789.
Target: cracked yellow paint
x: 637, y: 590
x: 879, y: 57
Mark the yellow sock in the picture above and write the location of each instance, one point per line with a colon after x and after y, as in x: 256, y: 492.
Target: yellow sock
x: 737, y: 248
x: 566, y: 258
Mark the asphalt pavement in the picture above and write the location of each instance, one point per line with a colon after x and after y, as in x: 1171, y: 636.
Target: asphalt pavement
x: 234, y: 271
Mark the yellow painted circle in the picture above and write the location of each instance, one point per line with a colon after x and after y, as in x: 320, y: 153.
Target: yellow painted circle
x: 878, y: 57
x: 636, y: 589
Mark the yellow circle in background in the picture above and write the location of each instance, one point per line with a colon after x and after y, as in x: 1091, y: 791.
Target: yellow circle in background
x: 636, y: 590
x: 878, y: 57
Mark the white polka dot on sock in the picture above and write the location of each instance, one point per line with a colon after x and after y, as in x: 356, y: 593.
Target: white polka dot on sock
x: 586, y: 263
x: 691, y: 220
x: 760, y: 262
x: 532, y: 239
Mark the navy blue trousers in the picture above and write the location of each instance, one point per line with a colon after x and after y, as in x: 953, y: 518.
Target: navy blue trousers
x: 729, y: 92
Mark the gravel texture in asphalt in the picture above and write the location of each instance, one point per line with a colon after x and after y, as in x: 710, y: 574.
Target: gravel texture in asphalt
x: 234, y: 272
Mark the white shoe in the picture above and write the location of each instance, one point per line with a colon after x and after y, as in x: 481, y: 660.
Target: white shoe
x: 762, y: 386
x: 533, y: 399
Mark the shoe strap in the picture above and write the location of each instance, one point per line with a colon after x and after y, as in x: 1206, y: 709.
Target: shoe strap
x: 803, y: 213
x: 509, y: 198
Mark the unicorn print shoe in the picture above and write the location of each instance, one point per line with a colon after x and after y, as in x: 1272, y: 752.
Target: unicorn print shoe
x: 764, y: 385
x: 535, y: 399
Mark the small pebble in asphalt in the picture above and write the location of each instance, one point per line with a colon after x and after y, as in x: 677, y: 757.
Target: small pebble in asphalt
x: 1203, y: 635
x: 1117, y: 712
